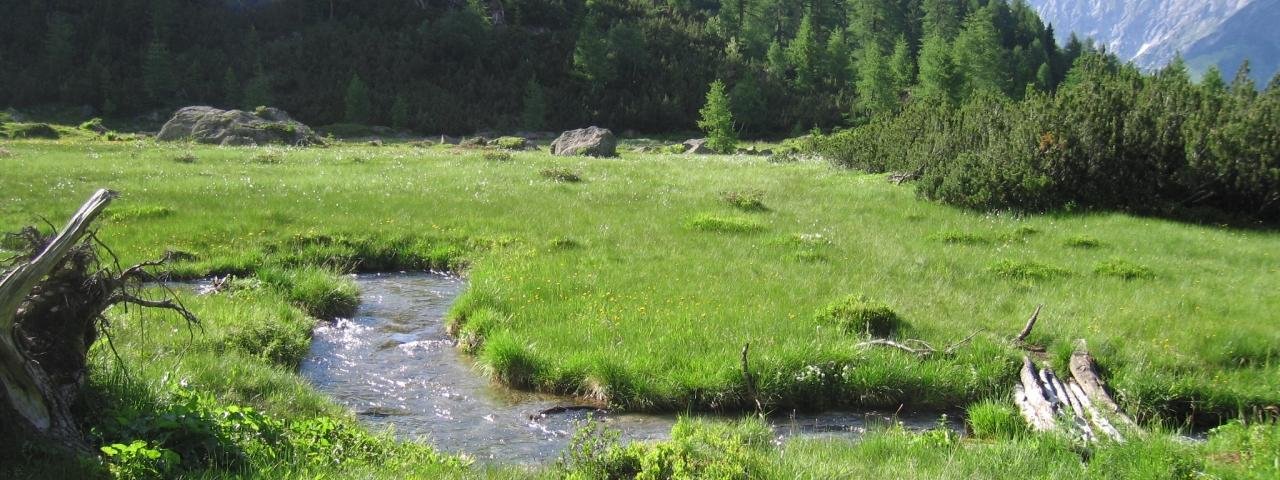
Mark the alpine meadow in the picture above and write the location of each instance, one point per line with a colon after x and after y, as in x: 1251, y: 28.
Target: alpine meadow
x: 616, y: 239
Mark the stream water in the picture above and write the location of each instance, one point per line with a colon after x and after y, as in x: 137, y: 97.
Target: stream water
x: 395, y: 366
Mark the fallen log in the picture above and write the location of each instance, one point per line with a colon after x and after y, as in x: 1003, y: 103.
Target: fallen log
x: 1049, y: 404
x: 1085, y: 371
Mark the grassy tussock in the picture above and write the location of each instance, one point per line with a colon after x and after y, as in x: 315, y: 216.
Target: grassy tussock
x: 717, y: 224
x: 1027, y: 270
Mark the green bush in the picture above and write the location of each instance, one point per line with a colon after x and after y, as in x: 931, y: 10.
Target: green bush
x: 497, y: 156
x: 1122, y: 269
x: 1083, y: 242
x: 995, y: 420
x: 30, y: 130
x: 713, y: 223
x: 858, y: 315
x: 511, y: 143
x: 185, y: 157
x: 746, y: 200
x: 1027, y: 270
x: 560, y: 174
x: 960, y: 238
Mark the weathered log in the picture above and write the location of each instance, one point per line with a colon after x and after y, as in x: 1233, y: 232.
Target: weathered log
x: 1041, y: 411
x: 34, y: 405
x: 1031, y: 323
x: 1085, y: 371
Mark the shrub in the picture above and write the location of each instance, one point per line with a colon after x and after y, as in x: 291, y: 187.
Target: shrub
x: 1122, y: 269
x: 565, y: 243
x: 960, y: 238
x: 31, y: 130
x: 712, y: 223
x: 746, y: 200
x: 858, y: 315
x: 1027, y: 270
x: 185, y: 157
x: 995, y: 420
x: 1082, y: 241
x: 560, y: 174
x: 511, y: 143
x: 266, y: 157
x: 93, y: 125
x: 497, y: 156
x: 140, y: 460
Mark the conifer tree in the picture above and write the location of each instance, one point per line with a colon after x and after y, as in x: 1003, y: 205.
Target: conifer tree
x: 534, y: 106
x: 776, y: 61
x: 938, y: 78
x: 837, y: 59
x: 876, y: 85
x: 257, y: 92
x: 157, y: 73
x: 717, y: 120
x: 941, y: 18
x: 803, y: 53
x: 979, y: 56
x: 230, y: 88
x: 903, y: 66
x: 357, y: 102
x: 400, y: 112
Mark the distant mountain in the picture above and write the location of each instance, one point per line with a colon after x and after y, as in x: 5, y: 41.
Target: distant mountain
x: 1152, y: 32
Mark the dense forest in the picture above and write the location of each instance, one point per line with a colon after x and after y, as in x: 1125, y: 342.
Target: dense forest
x: 462, y: 65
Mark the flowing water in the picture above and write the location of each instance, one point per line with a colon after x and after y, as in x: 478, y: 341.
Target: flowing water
x: 395, y: 366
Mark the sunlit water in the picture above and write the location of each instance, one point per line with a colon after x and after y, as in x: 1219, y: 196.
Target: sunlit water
x: 396, y: 367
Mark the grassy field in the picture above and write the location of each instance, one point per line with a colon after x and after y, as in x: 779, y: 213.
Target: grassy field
x: 639, y: 284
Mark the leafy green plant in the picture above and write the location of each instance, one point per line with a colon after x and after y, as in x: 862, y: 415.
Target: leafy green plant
x: 1028, y: 270
x: 139, y: 460
x: 497, y: 156
x: 859, y: 315
x: 511, y: 143
x: 745, y: 200
x: 1124, y: 269
x: 960, y: 238
x: 560, y: 174
x: 1083, y: 242
x: 712, y: 223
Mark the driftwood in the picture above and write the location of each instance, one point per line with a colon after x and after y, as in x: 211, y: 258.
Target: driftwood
x: 919, y: 348
x: 1049, y: 403
x: 50, y: 313
x: 1031, y: 323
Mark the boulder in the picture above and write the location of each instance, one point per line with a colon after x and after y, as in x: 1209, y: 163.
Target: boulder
x: 590, y: 141
x: 236, y: 127
x: 697, y: 146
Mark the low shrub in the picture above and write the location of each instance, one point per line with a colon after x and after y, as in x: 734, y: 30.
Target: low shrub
x: 31, y: 130
x: 745, y: 200
x: 959, y: 238
x: 1027, y: 270
x: 1122, y: 269
x: 712, y: 223
x: 511, y: 143
x: 185, y: 157
x: 497, y: 156
x: 267, y: 157
x: 995, y: 420
x: 560, y: 174
x: 1082, y: 241
x: 858, y: 315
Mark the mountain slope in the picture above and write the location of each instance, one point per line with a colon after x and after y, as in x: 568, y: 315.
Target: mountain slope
x: 1152, y: 32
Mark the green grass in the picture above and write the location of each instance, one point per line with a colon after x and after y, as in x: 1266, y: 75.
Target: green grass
x: 665, y: 282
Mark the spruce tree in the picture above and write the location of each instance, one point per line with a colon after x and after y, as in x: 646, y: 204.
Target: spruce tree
x: 357, y: 103
x: 257, y: 92
x: 803, y: 53
x: 837, y: 59
x: 400, y: 112
x: 231, y: 89
x: 941, y: 18
x: 877, y: 93
x: 903, y: 66
x: 979, y: 56
x: 534, y: 107
x: 776, y: 61
x: 938, y: 79
x: 749, y: 105
x: 157, y: 73
x: 717, y: 120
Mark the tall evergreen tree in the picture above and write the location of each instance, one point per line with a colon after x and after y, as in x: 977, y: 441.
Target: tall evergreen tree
x: 400, y: 112
x: 231, y: 89
x: 533, y: 111
x: 776, y: 61
x: 979, y: 56
x: 257, y: 91
x: 877, y: 94
x: 359, y: 107
x: 903, y: 66
x: 717, y: 120
x: 941, y: 18
x: 837, y: 59
x: 157, y: 73
x: 938, y: 78
x: 804, y: 54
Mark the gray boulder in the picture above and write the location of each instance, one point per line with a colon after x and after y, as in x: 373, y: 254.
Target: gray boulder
x: 590, y: 141
x: 696, y: 146
x: 236, y: 127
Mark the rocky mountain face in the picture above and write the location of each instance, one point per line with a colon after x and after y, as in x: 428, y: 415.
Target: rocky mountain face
x: 1152, y: 32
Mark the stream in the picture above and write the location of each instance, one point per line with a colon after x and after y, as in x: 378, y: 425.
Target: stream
x: 396, y: 367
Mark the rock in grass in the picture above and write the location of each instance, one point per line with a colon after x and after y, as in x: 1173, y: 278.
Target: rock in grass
x: 590, y: 141
x: 236, y: 127
x: 696, y: 146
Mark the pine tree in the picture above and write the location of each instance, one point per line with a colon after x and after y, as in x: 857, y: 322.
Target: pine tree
x: 400, y: 112
x: 903, y: 66
x: 837, y: 59
x: 776, y: 61
x: 876, y: 86
x: 938, y: 78
x: 534, y: 107
x: 157, y: 73
x: 749, y: 105
x: 257, y: 92
x: 717, y: 120
x: 591, y: 59
x: 941, y: 18
x: 357, y: 102
x: 1243, y: 86
x: 979, y: 57
x: 230, y: 89
x: 1212, y: 80
x: 803, y: 54
x: 875, y: 21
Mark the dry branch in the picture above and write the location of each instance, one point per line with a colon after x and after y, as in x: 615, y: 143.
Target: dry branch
x: 1031, y: 323
x: 919, y: 348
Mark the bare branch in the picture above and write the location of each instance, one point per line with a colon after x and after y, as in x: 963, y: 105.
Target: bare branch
x: 1031, y: 323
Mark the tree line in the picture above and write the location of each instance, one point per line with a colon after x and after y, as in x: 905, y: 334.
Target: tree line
x: 461, y: 65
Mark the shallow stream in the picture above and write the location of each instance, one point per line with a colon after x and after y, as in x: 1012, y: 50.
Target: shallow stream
x: 396, y: 367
